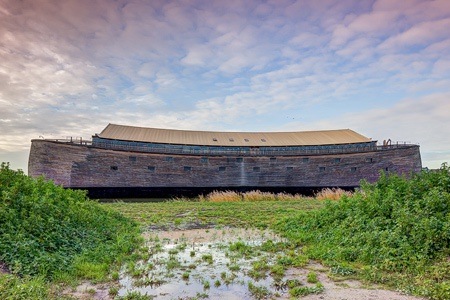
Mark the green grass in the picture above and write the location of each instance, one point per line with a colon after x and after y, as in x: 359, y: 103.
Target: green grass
x: 15, y: 288
x: 260, y: 214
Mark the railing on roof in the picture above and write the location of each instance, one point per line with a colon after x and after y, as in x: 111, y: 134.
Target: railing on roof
x: 241, y: 151
x: 71, y: 140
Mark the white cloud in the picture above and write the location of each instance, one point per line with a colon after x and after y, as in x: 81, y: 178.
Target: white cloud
x: 68, y: 68
x: 423, y: 121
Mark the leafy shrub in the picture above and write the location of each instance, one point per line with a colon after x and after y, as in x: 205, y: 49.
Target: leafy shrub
x: 394, y: 225
x: 47, y: 230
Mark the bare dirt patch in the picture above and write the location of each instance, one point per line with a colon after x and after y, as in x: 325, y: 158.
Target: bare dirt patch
x: 89, y: 291
x: 345, y: 289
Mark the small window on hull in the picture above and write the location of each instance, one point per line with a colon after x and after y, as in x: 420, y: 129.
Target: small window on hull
x: 256, y: 169
x: 151, y: 168
x: 289, y: 168
x: 114, y: 168
x: 132, y: 158
x: 221, y: 169
x: 239, y: 159
x: 305, y: 159
x: 186, y: 168
x: 321, y: 169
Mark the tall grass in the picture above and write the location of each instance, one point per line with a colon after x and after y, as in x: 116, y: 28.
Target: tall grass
x: 251, y: 196
x: 398, y: 229
x: 331, y: 194
x: 222, y: 196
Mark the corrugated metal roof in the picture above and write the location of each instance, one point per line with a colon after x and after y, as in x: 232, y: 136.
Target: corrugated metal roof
x: 212, y: 138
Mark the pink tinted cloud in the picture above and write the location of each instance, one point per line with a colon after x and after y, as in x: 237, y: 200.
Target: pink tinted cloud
x: 373, y: 24
x: 401, y: 18
x: 422, y: 34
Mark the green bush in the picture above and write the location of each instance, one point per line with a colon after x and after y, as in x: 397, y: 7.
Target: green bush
x: 395, y: 225
x: 48, y: 230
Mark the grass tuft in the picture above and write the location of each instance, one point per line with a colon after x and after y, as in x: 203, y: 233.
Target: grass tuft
x: 331, y: 194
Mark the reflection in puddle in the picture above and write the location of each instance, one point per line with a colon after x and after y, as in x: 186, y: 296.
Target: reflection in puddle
x: 215, y: 263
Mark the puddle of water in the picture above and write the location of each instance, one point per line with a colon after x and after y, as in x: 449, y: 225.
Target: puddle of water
x: 199, y: 264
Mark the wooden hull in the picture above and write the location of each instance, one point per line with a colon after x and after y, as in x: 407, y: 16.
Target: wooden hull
x: 108, y: 172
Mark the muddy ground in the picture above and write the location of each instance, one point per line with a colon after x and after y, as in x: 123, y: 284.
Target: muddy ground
x: 187, y: 280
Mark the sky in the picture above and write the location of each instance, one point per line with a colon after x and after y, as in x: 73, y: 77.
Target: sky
x: 378, y: 67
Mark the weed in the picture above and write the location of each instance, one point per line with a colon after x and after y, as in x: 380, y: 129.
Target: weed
x: 342, y: 270
x: 292, y: 283
x: 201, y: 296
x: 234, y: 268
x: 206, y: 284
x: 241, y: 248
x: 301, y: 291
x: 172, y: 263
x: 173, y: 251
x: 113, y: 291
x: 312, y: 277
x: 217, y: 283
x: 293, y: 260
x: 149, y: 281
x: 277, y: 272
x: 259, y: 292
x: 259, y: 269
x: 208, y: 258
x: 185, y: 276
x: 223, y: 275
x: 115, y: 275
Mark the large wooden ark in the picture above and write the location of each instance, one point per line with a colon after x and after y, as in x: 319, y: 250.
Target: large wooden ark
x: 127, y: 161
